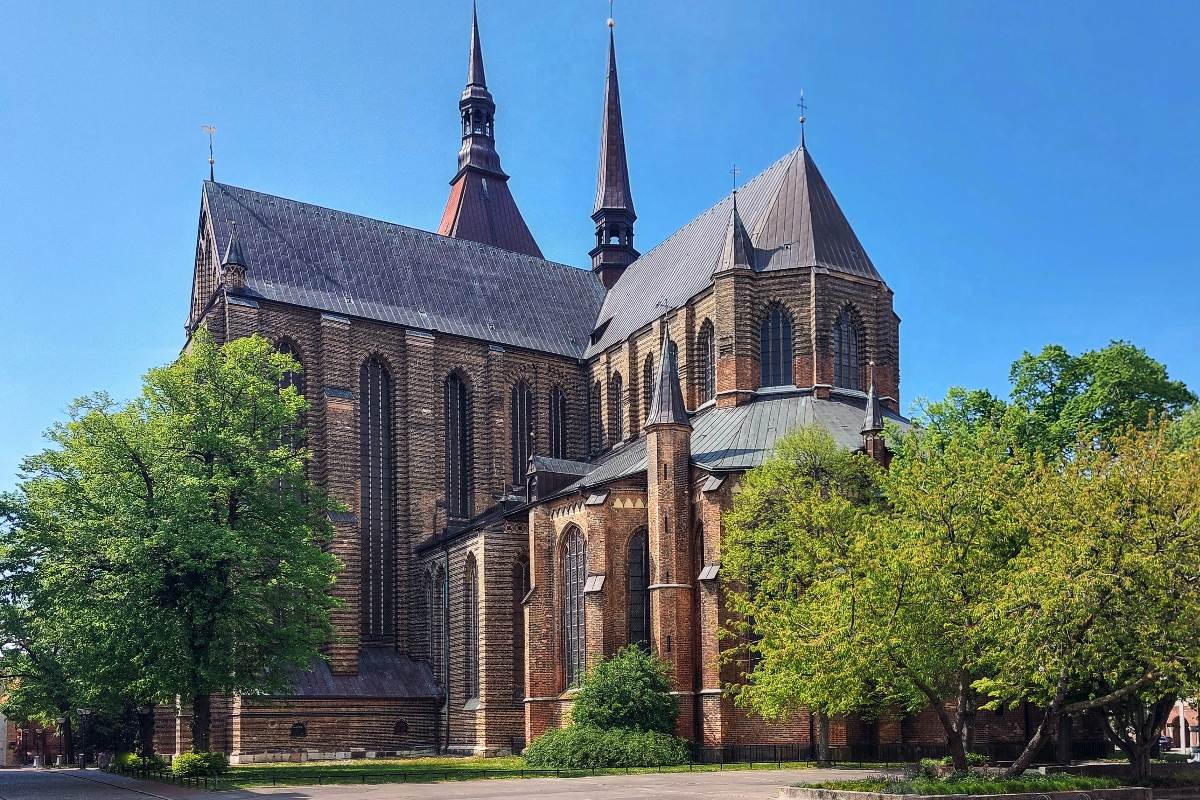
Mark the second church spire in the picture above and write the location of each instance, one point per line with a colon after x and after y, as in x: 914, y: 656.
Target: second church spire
x: 613, y: 212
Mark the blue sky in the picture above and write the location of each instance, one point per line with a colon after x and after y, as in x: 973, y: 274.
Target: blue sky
x: 1020, y: 172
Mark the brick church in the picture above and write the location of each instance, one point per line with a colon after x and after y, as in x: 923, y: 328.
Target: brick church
x: 536, y: 457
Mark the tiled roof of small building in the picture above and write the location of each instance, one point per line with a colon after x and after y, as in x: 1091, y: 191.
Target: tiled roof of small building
x: 793, y: 221
x: 343, y: 263
x: 382, y: 672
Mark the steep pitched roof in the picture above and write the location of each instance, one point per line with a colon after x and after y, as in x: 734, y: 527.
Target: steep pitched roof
x: 612, y: 182
x: 482, y: 209
x: 793, y: 219
x: 347, y: 264
x: 666, y: 407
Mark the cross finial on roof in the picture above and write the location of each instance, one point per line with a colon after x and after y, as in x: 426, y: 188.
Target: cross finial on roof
x: 803, y: 106
x: 735, y: 171
x: 211, y: 130
x: 611, y: 21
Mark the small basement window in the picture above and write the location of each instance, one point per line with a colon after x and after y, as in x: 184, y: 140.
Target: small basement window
x: 299, y: 730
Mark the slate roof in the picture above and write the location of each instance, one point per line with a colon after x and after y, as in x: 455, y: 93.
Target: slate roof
x: 741, y: 438
x: 793, y: 220
x: 348, y: 264
x: 382, y: 672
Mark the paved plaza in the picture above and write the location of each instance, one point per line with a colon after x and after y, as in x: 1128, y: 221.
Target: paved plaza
x: 27, y: 784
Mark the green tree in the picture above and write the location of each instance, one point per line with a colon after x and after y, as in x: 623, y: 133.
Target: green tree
x: 1059, y: 398
x: 1099, y: 610
x: 630, y: 691
x: 182, y: 543
x: 864, y: 589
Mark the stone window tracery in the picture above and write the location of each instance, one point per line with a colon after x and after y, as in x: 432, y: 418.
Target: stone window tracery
x: 458, y: 446
x: 377, y: 498
x: 574, y: 576
x: 847, y: 369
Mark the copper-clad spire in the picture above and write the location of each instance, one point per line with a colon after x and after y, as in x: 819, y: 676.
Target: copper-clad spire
x: 475, y: 74
x: 666, y: 407
x: 612, y: 181
x: 481, y: 207
x: 613, y: 210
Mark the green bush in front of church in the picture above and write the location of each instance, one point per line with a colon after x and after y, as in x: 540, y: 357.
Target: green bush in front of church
x: 623, y: 716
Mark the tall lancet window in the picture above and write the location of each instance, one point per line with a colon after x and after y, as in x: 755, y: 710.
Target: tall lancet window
x: 458, y: 446
x: 521, y: 422
x: 706, y: 362
x: 558, y: 423
x: 292, y: 434
x: 847, y: 366
x: 616, y: 408
x: 574, y: 575
x: 438, y: 603
x: 377, y: 497
x: 775, y: 347
x: 638, y: 575
x: 471, y: 628
x: 595, y: 426
x: 647, y: 385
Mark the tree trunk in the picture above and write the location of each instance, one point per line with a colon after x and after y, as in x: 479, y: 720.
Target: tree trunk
x: 201, y: 722
x: 146, y: 733
x: 68, y: 739
x: 1062, y: 741
x: 822, y: 720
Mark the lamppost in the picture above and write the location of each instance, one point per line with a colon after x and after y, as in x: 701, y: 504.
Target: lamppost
x: 85, y: 734
x: 64, y: 739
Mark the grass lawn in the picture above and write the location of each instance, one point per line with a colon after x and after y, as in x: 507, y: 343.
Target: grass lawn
x: 432, y: 769
x: 972, y: 784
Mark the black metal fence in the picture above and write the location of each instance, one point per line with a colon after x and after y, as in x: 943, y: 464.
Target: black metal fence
x: 165, y: 775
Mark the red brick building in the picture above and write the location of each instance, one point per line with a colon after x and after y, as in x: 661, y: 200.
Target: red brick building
x: 536, y: 457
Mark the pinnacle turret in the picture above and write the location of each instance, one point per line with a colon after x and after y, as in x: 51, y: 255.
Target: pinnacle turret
x: 613, y: 210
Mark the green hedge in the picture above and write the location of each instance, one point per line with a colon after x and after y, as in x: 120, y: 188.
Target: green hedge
x: 588, y: 747
x: 199, y: 765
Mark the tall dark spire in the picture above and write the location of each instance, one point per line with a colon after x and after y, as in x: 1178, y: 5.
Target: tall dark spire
x: 613, y: 211
x: 481, y: 207
x: 475, y: 74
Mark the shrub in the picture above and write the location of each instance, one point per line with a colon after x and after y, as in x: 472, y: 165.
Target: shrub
x: 588, y: 747
x: 198, y: 765
x: 134, y: 761
x: 630, y: 691
x: 972, y: 784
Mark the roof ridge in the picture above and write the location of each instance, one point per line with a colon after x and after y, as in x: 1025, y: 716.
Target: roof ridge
x: 226, y: 187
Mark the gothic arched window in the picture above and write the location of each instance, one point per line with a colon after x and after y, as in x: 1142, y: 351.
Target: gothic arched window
x: 521, y: 418
x: 847, y: 366
x: 438, y: 597
x: 647, y: 385
x: 520, y: 588
x: 595, y: 431
x: 616, y: 408
x: 471, y: 627
x: 458, y: 446
x: 558, y: 423
x: 706, y: 362
x: 638, y: 574
x: 775, y: 347
x: 574, y: 575
x: 377, y: 496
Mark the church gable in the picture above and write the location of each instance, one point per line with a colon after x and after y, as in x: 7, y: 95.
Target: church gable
x: 205, y: 271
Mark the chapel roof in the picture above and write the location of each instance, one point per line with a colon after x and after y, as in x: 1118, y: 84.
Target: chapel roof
x: 348, y: 264
x: 743, y: 437
x: 793, y: 221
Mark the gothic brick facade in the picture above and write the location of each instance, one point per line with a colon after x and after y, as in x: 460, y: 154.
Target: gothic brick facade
x: 536, y: 458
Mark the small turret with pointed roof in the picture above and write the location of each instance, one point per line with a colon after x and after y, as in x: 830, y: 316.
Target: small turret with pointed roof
x: 738, y: 252
x: 613, y: 211
x: 666, y: 406
x: 233, y: 265
x: 873, y: 415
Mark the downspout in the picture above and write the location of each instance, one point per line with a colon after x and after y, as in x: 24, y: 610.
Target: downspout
x: 446, y: 642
